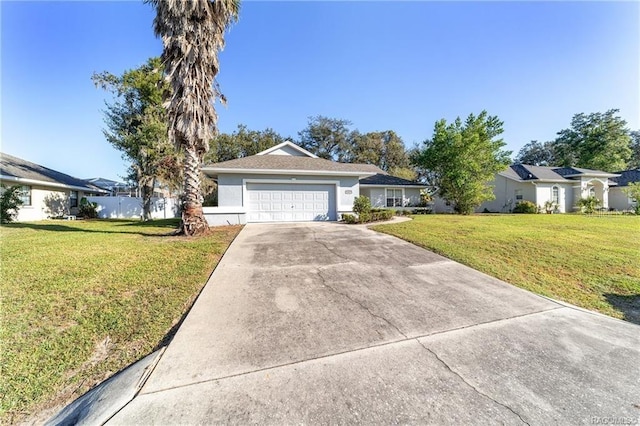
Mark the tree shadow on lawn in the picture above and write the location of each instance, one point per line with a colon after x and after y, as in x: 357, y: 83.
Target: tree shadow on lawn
x: 629, y: 305
x: 170, y: 225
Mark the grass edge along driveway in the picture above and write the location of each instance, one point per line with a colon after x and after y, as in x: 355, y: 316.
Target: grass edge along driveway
x: 591, y: 262
x: 81, y: 300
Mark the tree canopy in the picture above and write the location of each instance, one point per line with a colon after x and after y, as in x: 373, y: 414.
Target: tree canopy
x: 243, y: 142
x: 537, y: 154
x: 328, y: 138
x: 599, y: 141
x: 462, y: 158
x: 333, y: 139
x: 137, y: 126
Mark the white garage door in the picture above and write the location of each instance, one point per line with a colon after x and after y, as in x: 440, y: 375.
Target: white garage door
x: 270, y: 202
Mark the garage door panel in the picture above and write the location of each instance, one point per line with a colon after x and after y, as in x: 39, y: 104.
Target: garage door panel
x: 290, y: 202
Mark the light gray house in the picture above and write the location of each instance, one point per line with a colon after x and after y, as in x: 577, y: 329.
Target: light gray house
x: 44, y: 192
x: 617, y: 198
x: 563, y: 186
x: 286, y: 183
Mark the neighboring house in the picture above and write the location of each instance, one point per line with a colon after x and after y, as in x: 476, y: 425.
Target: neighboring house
x: 564, y: 186
x: 617, y: 198
x: 286, y: 183
x: 114, y: 187
x: 44, y: 192
x: 120, y: 189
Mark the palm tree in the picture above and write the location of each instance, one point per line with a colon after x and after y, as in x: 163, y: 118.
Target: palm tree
x: 192, y: 33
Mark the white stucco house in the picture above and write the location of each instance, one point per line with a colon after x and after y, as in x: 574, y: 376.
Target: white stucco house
x: 44, y: 192
x: 286, y: 183
x: 562, y: 185
x: 617, y: 198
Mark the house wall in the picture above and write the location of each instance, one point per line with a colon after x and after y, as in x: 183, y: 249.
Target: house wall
x: 219, y: 216
x: 505, y: 191
x: 46, y: 202
x: 378, y: 196
x: 619, y: 200
x: 411, y: 197
x: 544, y: 193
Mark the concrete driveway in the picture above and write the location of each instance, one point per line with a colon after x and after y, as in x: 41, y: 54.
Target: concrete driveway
x: 336, y: 324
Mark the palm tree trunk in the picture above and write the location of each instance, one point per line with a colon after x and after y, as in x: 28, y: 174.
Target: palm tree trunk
x: 193, y: 220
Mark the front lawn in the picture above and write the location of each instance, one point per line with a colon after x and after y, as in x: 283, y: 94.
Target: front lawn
x: 592, y: 262
x: 83, y: 299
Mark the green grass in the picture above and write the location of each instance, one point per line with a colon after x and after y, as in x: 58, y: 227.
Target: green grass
x: 83, y: 299
x: 592, y: 262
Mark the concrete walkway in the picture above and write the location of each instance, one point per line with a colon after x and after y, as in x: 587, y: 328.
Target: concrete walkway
x: 328, y: 323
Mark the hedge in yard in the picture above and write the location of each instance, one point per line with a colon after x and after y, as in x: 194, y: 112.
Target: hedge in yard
x: 525, y: 207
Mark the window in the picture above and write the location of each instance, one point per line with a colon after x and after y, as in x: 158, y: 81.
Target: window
x: 394, y: 197
x: 25, y: 195
x: 518, y: 194
x: 555, y: 195
x: 73, y: 199
x: 592, y: 191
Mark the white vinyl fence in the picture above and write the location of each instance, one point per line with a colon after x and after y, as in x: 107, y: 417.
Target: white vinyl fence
x: 131, y: 207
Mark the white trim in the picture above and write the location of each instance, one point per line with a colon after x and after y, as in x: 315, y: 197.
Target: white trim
x: 54, y: 184
x: 338, y: 207
x: 289, y: 144
x: 361, y: 174
x: 225, y: 209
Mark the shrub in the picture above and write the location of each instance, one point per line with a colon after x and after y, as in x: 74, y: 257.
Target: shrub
x: 361, y: 205
x: 633, y: 192
x: 10, y: 203
x: 365, y: 217
x: 525, y: 207
x: 550, y: 206
x: 88, y: 209
x: 349, y: 218
x: 589, y: 205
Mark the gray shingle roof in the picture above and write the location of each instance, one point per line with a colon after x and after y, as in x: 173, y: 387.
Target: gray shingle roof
x: 627, y: 176
x: 292, y: 163
x: 385, y: 179
x: 528, y: 172
x: 15, y: 167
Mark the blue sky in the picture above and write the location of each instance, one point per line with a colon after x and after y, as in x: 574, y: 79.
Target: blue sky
x: 383, y: 65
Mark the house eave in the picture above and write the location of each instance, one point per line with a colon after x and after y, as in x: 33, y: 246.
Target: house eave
x: 589, y: 175
x: 377, y: 185
x: 536, y: 180
x: 213, y: 171
x: 52, y: 184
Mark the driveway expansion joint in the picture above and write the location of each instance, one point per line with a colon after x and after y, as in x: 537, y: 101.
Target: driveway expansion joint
x: 475, y: 389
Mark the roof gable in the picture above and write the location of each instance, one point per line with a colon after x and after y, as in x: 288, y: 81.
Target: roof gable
x: 287, y: 148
